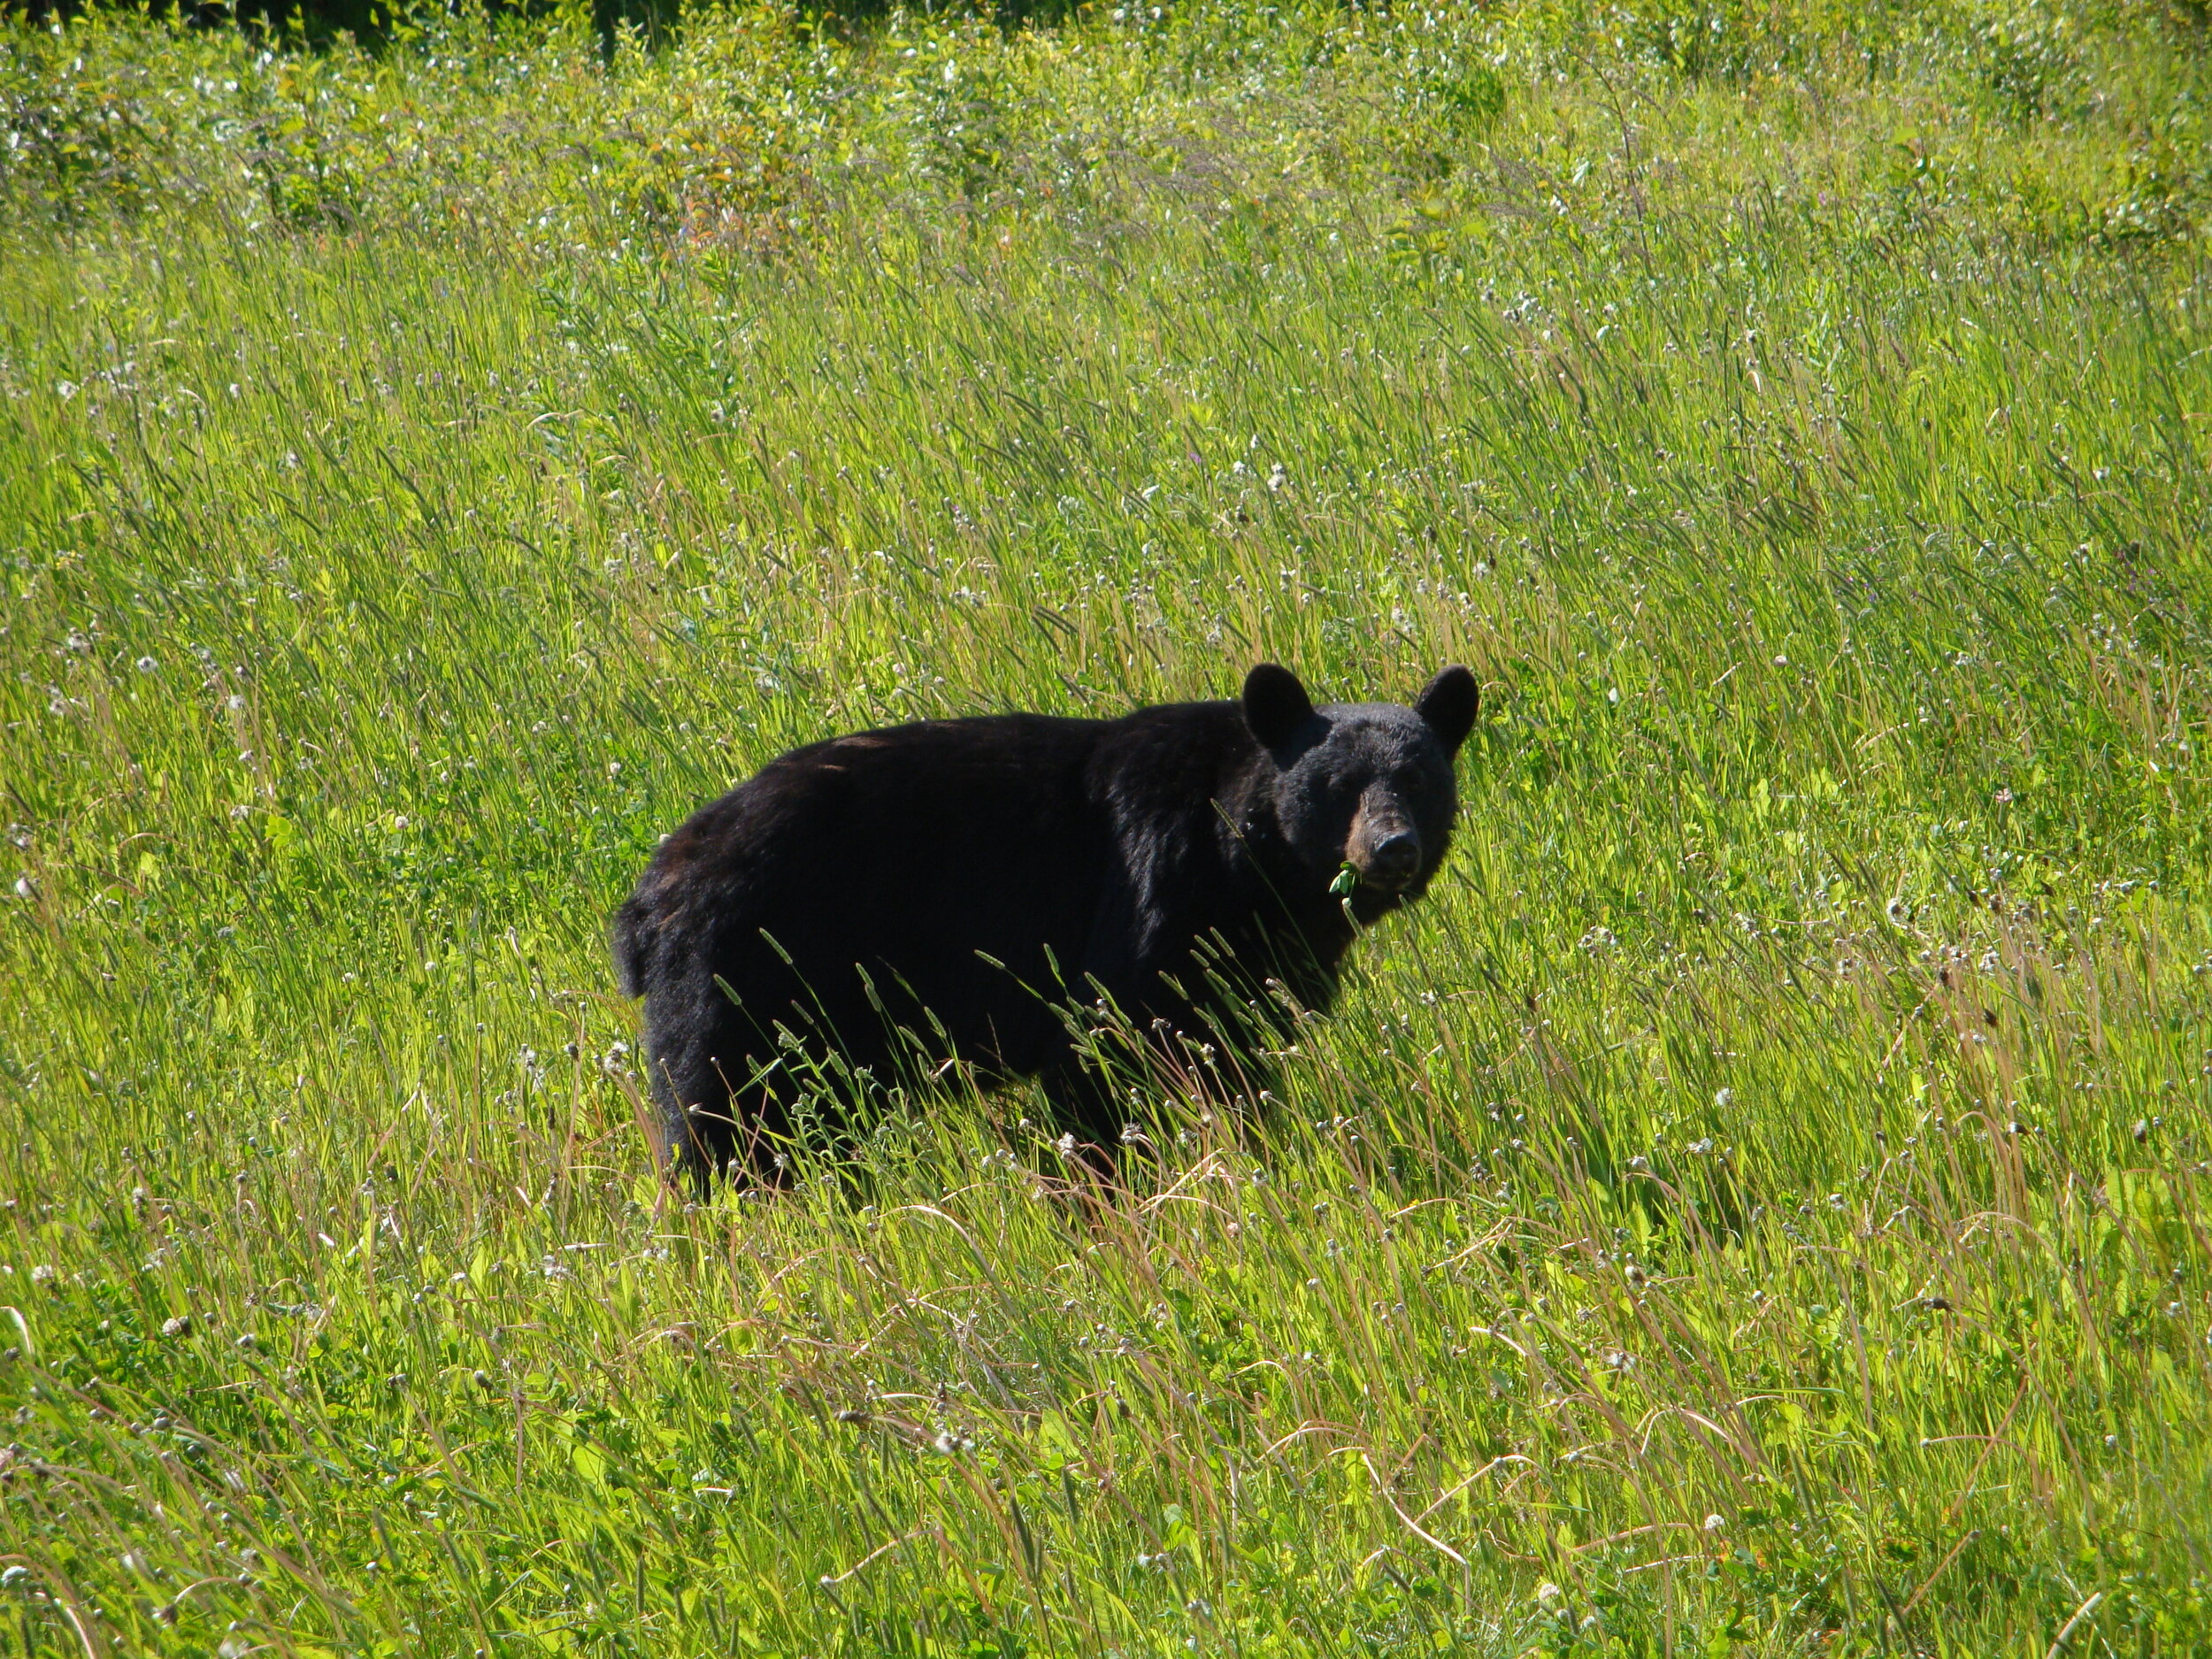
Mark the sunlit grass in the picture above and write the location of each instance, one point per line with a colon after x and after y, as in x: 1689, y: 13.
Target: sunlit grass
x: 1754, y: 1204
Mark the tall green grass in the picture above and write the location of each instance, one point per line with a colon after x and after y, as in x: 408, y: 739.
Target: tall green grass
x: 1754, y: 1204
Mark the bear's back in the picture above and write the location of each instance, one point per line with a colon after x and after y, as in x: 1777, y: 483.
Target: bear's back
x: 907, y: 851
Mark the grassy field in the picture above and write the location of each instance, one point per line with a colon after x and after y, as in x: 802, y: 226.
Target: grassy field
x: 1755, y: 1205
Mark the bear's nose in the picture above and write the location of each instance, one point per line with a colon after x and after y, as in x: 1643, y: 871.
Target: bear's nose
x: 1393, y: 857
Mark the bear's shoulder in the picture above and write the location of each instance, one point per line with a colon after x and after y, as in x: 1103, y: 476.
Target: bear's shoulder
x: 1174, y: 769
x: 1173, y: 745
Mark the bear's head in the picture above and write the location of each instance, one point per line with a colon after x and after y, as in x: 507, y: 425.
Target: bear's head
x: 1367, y: 784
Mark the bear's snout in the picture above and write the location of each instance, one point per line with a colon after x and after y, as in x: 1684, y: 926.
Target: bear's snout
x: 1391, y: 862
x: 1385, y: 849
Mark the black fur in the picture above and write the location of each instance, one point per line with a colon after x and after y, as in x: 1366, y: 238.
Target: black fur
x: 900, y: 896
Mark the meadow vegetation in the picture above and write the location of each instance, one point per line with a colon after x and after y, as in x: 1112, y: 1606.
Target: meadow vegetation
x: 1756, y: 1203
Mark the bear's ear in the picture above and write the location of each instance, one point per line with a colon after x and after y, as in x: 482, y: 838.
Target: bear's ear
x: 1275, y: 704
x: 1449, y: 702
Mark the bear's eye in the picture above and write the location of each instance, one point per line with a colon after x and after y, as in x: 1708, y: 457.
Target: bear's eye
x: 1420, y: 784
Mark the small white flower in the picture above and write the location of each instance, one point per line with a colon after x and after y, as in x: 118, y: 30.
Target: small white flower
x: 1547, y: 1592
x: 43, y: 1274
x: 147, y: 665
x: 1714, y: 1524
x: 1724, y: 1098
x: 177, y: 1326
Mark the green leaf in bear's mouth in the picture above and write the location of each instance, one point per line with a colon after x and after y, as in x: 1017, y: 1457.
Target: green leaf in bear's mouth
x: 1347, y: 878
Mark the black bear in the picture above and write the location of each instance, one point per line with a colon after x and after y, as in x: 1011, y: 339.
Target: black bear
x: 871, y: 906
